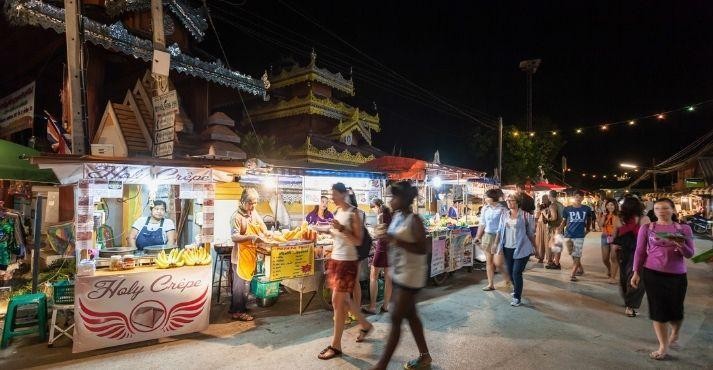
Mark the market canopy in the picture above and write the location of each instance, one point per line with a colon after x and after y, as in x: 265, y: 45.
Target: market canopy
x: 15, y: 164
x: 399, y: 168
x: 548, y: 186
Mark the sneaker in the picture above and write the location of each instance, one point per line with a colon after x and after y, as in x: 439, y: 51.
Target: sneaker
x: 550, y: 266
x: 558, y: 267
x: 515, y: 302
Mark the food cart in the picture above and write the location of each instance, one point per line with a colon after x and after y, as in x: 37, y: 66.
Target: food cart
x: 288, y: 192
x: 122, y: 295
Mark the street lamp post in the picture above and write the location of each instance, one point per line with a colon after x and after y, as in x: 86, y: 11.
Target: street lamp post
x: 652, y: 169
x: 529, y: 67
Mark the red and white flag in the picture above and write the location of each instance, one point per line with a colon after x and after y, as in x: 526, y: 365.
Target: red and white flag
x: 55, y: 134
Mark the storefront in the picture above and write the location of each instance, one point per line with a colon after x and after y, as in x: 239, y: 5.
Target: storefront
x: 159, y: 284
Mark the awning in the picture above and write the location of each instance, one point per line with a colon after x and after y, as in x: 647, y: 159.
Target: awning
x: 541, y: 186
x: 15, y: 164
x: 399, y: 168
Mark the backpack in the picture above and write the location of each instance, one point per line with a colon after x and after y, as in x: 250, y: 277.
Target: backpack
x: 366, y: 240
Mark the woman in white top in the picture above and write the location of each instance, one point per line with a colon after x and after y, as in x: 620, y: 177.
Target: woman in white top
x: 408, y: 259
x: 342, y: 269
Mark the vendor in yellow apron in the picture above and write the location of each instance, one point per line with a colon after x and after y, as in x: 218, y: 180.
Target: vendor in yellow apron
x: 247, y: 229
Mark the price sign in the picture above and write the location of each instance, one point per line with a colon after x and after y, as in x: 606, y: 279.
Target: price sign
x: 290, y: 262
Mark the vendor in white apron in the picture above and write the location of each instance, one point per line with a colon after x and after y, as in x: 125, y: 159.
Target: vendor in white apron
x: 154, y: 229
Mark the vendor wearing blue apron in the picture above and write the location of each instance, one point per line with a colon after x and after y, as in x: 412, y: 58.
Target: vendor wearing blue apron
x: 154, y: 229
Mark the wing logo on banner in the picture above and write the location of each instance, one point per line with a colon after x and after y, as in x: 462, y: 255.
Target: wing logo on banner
x: 146, y: 316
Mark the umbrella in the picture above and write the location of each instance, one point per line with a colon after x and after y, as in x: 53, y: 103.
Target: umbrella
x: 15, y: 164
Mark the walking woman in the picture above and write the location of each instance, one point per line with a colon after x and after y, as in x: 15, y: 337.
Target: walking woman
x: 381, y: 260
x: 406, y: 236
x: 342, y: 269
x: 487, y: 233
x: 660, y: 261
x: 516, y: 242
x: 608, y: 221
x: 542, y: 232
x: 624, y: 246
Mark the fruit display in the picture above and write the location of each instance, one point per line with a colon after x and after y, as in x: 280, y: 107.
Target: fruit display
x: 172, y: 259
x: 186, y: 257
x: 299, y: 233
x: 194, y: 257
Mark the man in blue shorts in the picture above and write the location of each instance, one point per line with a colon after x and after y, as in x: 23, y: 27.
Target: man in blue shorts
x: 576, y: 222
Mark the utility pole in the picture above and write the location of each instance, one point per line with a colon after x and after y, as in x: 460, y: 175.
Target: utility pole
x: 653, y: 173
x: 529, y: 67
x: 72, y: 17
x: 500, y: 149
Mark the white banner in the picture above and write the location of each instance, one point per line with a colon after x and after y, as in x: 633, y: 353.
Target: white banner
x: 128, y: 174
x: 112, y: 310
x: 183, y: 175
x: 19, y: 104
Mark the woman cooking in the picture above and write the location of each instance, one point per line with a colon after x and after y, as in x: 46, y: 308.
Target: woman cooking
x: 154, y: 229
x: 320, y: 213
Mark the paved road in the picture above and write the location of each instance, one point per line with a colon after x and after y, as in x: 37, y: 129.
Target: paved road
x: 562, y: 325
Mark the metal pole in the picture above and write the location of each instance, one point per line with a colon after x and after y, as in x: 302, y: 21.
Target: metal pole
x: 529, y: 101
x: 653, y: 173
x: 36, y: 241
x: 500, y: 149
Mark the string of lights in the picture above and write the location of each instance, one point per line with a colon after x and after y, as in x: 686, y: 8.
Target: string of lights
x: 605, y: 127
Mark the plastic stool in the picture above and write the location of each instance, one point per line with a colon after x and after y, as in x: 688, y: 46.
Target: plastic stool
x: 68, y: 312
x: 10, y: 331
x: 222, y: 260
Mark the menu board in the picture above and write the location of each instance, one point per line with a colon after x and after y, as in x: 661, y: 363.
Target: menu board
x: 459, y: 244
x: 438, y: 255
x: 290, y: 262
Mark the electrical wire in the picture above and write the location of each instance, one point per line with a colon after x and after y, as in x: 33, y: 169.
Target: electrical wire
x: 227, y: 62
x: 373, y: 74
x: 376, y: 83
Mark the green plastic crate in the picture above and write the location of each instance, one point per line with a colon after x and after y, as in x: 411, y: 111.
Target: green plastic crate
x: 263, y: 288
x: 63, y: 292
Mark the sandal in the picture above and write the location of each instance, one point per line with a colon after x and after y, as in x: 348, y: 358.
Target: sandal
x: 630, y: 312
x: 573, y: 278
x: 383, y: 310
x: 674, y: 345
x: 655, y: 355
x: 419, y: 363
x: 326, y: 355
x: 363, y: 333
x: 368, y: 311
x: 488, y: 288
x: 242, y: 316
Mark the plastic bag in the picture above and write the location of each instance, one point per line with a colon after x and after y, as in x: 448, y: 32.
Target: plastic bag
x: 557, y: 243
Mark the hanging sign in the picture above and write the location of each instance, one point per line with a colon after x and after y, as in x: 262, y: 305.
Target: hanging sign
x: 165, y: 104
x: 112, y: 310
x: 183, y: 175
x: 17, y: 110
x: 290, y: 262
x: 163, y: 150
x: 164, y: 136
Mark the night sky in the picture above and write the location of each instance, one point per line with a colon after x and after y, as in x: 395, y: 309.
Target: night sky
x: 603, y: 61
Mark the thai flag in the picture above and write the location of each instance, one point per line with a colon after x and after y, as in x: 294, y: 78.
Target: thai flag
x: 55, y: 134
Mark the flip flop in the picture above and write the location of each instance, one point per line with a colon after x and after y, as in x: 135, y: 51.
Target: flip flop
x: 573, y: 278
x: 383, y: 310
x: 674, y: 345
x: 243, y: 316
x: 367, y: 311
x: 324, y: 356
x: 363, y: 333
x: 658, y: 356
x: 630, y: 314
x: 488, y: 288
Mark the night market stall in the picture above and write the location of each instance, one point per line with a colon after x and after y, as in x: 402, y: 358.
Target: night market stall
x: 134, y: 285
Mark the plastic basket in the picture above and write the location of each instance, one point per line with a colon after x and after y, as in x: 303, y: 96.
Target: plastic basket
x: 63, y: 292
x: 262, y: 288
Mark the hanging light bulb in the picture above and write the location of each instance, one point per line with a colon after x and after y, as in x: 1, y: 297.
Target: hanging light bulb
x: 579, y: 131
x: 691, y: 108
x: 554, y: 133
x: 604, y: 127
x: 632, y: 122
x: 605, y: 176
x: 532, y: 134
x: 660, y: 116
x: 515, y: 133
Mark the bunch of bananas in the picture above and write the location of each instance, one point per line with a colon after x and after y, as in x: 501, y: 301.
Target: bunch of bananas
x: 199, y: 256
x: 298, y: 233
x: 172, y: 259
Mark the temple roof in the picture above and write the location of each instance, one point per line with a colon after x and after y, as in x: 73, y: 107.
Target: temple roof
x: 312, y: 104
x: 322, y: 149
x: 117, y: 38
x: 298, y: 74
x: 192, y: 19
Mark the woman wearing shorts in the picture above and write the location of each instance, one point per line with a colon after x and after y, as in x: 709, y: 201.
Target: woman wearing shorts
x: 381, y: 260
x: 487, y: 232
x: 342, y: 270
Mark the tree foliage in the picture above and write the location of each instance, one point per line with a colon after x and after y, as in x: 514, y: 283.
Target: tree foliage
x: 271, y: 149
x: 522, y: 153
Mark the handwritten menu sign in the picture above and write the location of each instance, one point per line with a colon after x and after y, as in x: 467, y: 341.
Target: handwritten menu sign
x: 290, y: 262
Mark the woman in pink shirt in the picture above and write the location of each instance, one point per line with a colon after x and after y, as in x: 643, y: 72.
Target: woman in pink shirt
x: 660, y: 260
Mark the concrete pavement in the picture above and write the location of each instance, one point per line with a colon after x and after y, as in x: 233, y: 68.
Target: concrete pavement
x: 562, y: 325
